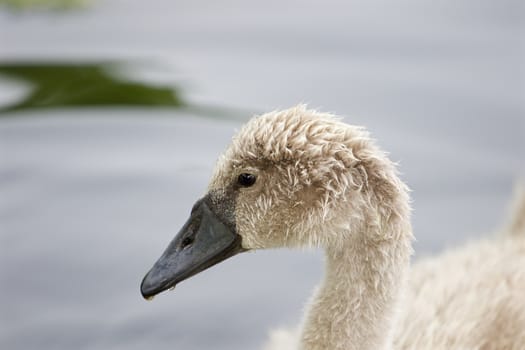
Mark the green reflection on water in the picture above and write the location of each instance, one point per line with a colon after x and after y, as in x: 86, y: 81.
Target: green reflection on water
x: 84, y: 85
x: 55, y: 5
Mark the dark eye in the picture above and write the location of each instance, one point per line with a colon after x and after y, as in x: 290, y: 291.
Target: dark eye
x: 186, y: 242
x: 246, y: 179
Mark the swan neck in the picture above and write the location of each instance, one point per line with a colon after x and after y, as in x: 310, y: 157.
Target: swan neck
x: 354, y: 307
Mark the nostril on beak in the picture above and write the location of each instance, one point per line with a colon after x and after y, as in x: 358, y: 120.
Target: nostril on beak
x: 186, y: 242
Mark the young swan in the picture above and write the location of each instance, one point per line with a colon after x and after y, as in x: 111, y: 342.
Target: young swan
x: 301, y: 178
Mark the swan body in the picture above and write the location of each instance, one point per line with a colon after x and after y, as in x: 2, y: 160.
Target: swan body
x: 468, y: 298
x: 300, y: 178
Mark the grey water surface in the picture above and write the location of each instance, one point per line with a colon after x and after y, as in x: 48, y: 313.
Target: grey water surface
x: 89, y: 198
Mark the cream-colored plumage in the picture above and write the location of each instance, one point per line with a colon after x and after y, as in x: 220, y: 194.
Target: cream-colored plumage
x: 323, y: 183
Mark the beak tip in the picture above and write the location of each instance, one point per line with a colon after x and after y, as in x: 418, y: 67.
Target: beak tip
x: 154, y: 283
x: 147, y: 288
x: 148, y: 297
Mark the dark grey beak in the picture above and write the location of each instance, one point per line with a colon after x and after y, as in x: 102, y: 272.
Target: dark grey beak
x: 203, y: 241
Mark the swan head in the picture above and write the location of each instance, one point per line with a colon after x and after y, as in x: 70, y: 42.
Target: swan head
x: 292, y: 178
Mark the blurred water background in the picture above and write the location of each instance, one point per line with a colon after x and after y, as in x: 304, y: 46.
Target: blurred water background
x: 91, y: 196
